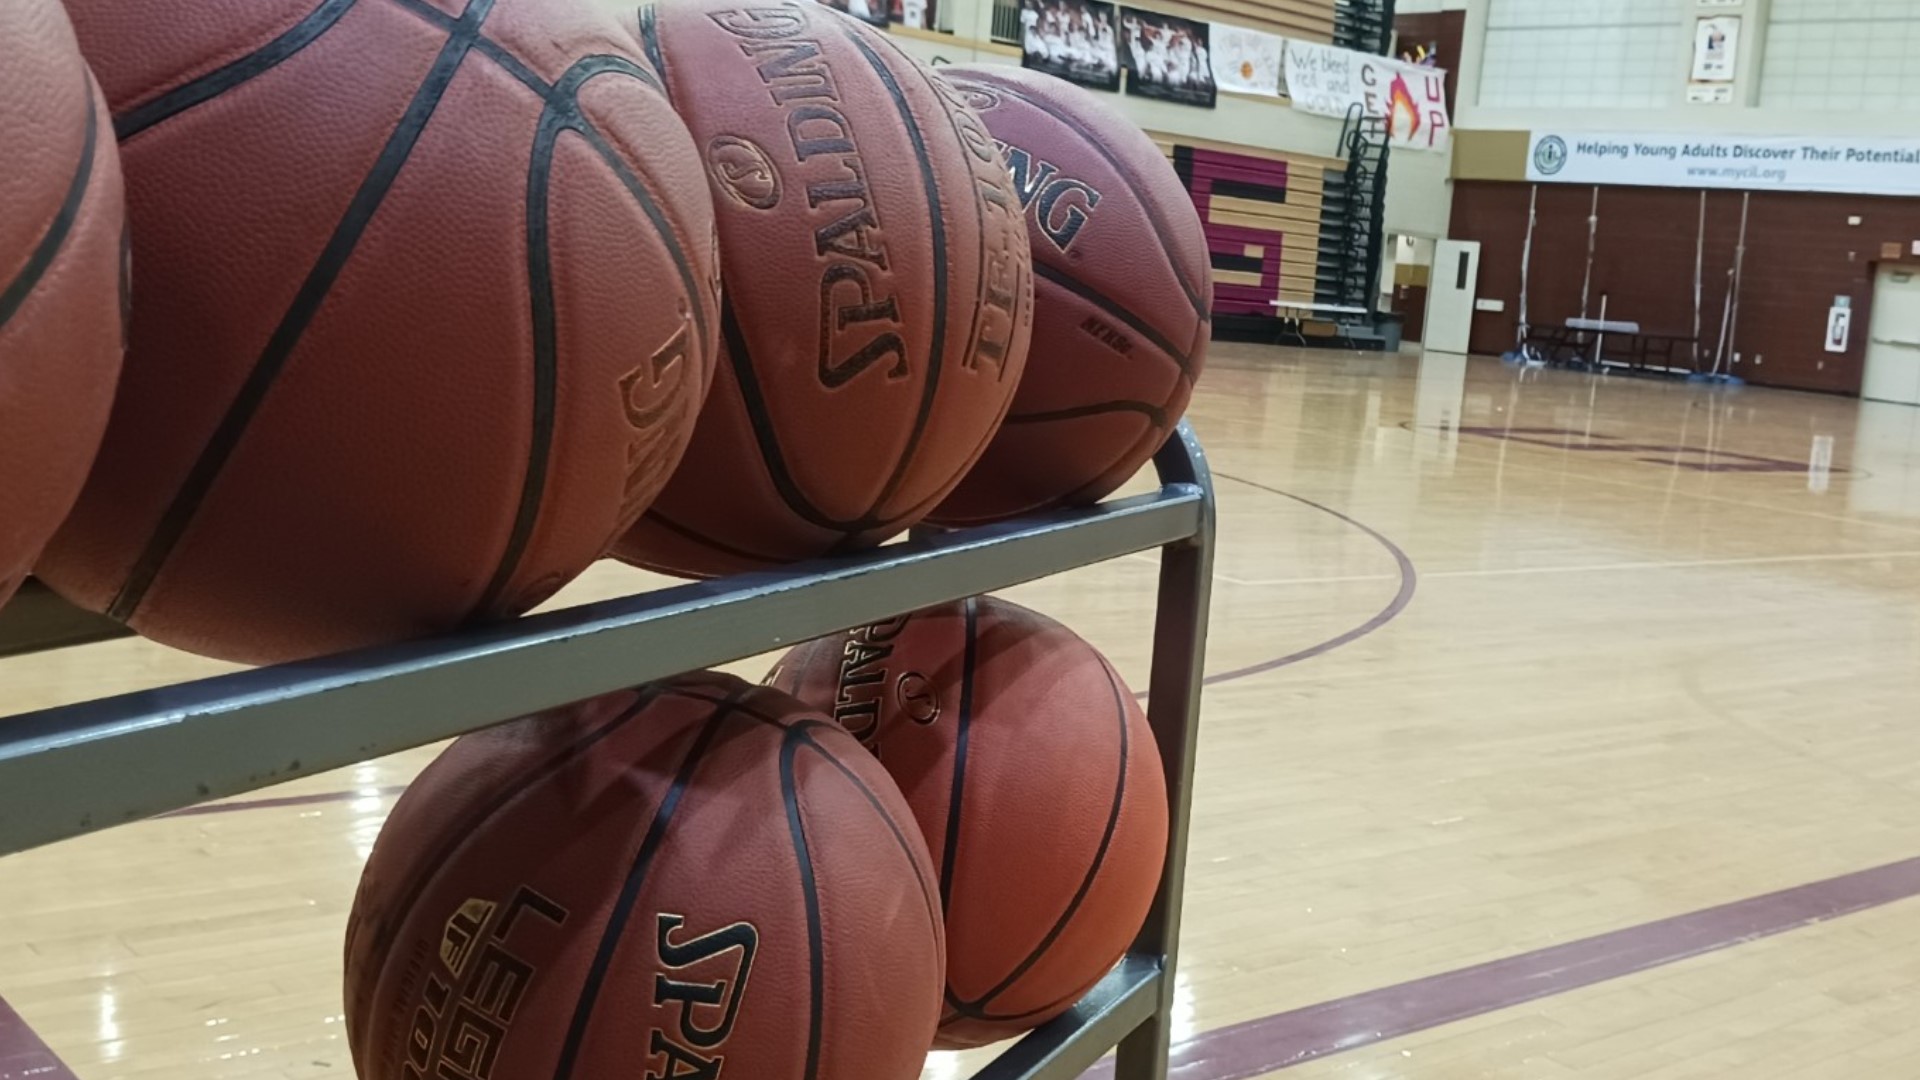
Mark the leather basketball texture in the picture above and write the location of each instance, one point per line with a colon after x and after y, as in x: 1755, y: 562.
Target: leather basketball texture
x: 1123, y: 298
x: 427, y: 306
x: 62, y: 283
x: 1036, y: 781
x: 878, y: 287
x: 697, y: 878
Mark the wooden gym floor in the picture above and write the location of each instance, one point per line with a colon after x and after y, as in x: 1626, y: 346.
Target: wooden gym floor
x: 1562, y: 727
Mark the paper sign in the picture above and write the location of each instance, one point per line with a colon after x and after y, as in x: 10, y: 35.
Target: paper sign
x: 1839, y: 329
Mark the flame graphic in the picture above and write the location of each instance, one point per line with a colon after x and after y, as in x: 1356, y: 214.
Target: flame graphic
x: 1400, y: 103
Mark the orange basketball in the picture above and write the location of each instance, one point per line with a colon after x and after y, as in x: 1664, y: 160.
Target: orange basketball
x: 1036, y: 782
x: 62, y: 283
x: 878, y: 287
x: 653, y: 883
x: 1123, y: 294
x: 426, y: 310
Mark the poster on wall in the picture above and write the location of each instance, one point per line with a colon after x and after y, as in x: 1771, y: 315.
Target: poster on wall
x: 1330, y: 81
x: 1247, y: 61
x: 1716, y: 48
x: 917, y: 14
x: 1840, y: 324
x: 869, y: 11
x: 1169, y: 58
x: 1072, y: 39
x: 1851, y: 165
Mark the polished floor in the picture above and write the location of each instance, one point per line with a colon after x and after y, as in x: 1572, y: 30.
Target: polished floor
x: 1566, y: 727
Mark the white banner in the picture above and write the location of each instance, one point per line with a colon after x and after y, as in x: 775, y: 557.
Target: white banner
x: 1862, y: 165
x: 1329, y: 81
x: 1246, y: 61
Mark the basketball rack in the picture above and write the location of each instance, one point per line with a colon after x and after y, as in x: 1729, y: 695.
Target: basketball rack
x: 80, y: 768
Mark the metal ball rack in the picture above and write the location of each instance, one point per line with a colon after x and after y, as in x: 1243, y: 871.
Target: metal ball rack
x: 81, y: 768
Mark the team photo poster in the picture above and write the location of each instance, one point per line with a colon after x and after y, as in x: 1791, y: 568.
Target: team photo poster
x: 1072, y: 39
x: 1169, y: 58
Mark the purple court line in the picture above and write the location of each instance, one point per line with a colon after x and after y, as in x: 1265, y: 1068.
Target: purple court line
x: 1281, y: 1041
x: 1409, y: 583
x: 22, y: 1055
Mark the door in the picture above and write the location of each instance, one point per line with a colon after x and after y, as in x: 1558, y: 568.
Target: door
x: 1893, y: 339
x: 1451, y: 290
x: 1410, y: 301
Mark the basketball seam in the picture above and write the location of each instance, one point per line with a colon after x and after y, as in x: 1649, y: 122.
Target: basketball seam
x: 1114, y: 308
x: 963, y: 729
x: 976, y: 1009
x: 649, y: 20
x: 810, y: 895
x: 483, y: 44
x: 934, y: 916
x: 1128, y: 177
x: 688, y: 533
x: 385, y: 931
x: 299, y: 315
x: 199, y: 91
x: 1154, y: 413
x: 937, y: 233
x: 55, y: 238
x: 613, y: 931
x: 561, y: 115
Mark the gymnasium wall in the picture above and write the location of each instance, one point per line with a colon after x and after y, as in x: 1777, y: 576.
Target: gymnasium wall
x: 1801, y: 253
x: 1263, y: 220
x: 1805, y: 66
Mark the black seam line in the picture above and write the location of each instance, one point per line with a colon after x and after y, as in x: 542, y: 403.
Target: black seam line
x: 61, y: 226
x: 615, y: 928
x: 484, y: 45
x: 649, y: 20
x: 561, y: 115
x: 899, y: 835
x: 937, y: 231
x: 689, y: 533
x: 1152, y: 412
x: 306, y: 304
x: 1117, y: 310
x: 1093, y: 871
x: 962, y: 732
x: 220, y: 80
x: 299, y: 315
x: 1132, y: 181
x: 809, y: 890
x: 740, y: 358
x: 388, y: 930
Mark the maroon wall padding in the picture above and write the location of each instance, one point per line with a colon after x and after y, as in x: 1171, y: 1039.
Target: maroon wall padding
x: 1801, y: 253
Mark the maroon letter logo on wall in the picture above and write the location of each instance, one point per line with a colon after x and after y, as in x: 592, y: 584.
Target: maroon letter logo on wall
x: 1246, y: 255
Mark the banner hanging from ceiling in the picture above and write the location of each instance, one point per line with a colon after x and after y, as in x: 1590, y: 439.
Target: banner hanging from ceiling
x: 1247, y: 61
x: 1850, y: 165
x: 1330, y: 81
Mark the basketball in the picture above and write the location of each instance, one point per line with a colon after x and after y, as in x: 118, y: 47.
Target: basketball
x: 654, y: 882
x: 1036, y: 781
x: 1123, y: 293
x: 878, y: 287
x: 62, y: 283
x: 426, y: 311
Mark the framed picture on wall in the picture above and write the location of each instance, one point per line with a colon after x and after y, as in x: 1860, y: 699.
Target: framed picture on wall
x: 869, y: 11
x: 1716, y: 48
x: 1168, y: 57
x: 1072, y: 39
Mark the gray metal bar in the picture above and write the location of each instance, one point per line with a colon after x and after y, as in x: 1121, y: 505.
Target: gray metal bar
x: 1065, y: 1047
x: 1173, y: 709
x: 78, y: 768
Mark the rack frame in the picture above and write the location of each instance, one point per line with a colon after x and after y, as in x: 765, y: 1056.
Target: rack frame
x: 76, y: 769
